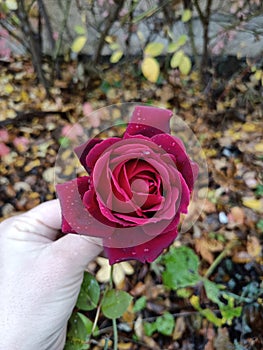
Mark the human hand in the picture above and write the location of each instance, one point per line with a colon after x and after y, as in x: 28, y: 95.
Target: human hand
x: 40, y: 278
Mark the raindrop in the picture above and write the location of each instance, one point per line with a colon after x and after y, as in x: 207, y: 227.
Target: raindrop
x: 173, y: 144
x: 133, y: 253
x: 145, y: 250
x: 146, y: 152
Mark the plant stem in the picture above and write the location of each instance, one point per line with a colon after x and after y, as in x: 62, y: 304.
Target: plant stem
x: 115, y: 334
x: 220, y: 257
x: 111, y: 276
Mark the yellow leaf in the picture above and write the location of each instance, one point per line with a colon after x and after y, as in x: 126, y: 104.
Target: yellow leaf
x: 253, y: 203
x: 172, y: 47
x: 119, y: 272
x: 9, y: 88
x: 153, y: 49
x: 185, y: 65
x: 116, y: 56
x: 259, y: 147
x: 150, y: 69
x: 11, y: 4
x: 176, y: 59
x: 249, y: 127
x: 258, y: 74
x: 194, y: 300
x: 79, y: 43
x: 186, y: 16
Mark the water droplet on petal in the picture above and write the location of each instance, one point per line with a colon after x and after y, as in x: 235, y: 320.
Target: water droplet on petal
x: 146, y: 152
x: 133, y: 253
x: 145, y: 250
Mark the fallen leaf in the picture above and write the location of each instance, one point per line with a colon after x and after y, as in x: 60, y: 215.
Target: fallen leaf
x: 253, y: 247
x: 253, y: 203
x: 119, y: 272
x: 179, y: 329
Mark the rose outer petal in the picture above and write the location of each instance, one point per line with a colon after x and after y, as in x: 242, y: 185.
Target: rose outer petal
x: 148, y: 251
x: 83, y: 150
x: 174, y: 146
x: 149, y: 121
x: 75, y: 215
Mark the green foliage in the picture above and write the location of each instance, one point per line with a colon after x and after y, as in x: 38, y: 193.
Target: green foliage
x: 163, y: 324
x: 79, y: 332
x: 260, y: 225
x: 181, y: 268
x: 153, y: 49
x: 139, y: 304
x: 64, y: 142
x: 259, y: 190
x: 181, y: 272
x: 89, y: 293
x: 115, y: 303
x: 186, y: 16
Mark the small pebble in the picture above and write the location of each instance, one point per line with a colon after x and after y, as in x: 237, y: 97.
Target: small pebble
x: 223, y: 219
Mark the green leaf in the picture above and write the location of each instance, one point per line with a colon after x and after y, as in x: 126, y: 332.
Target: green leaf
x: 229, y: 311
x: 210, y: 316
x: 80, y: 30
x: 153, y: 49
x: 149, y: 328
x: 64, y: 142
x: 86, y: 321
x: 89, y: 293
x: 79, y: 43
x: 212, y: 291
x: 116, y: 56
x: 259, y: 190
x: 181, y: 268
x: 165, y: 324
x: 260, y: 225
x: 139, y: 304
x: 150, y: 69
x: 77, y: 333
x: 176, y: 59
x: 172, y: 47
x: 115, y: 303
x: 185, y: 65
x: 187, y: 15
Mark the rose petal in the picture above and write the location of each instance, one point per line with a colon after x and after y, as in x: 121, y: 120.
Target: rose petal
x: 175, y: 146
x: 83, y: 150
x: 147, y: 251
x: 94, y: 154
x: 149, y: 121
x: 75, y: 214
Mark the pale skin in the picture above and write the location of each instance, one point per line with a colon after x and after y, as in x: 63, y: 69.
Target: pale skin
x: 40, y: 278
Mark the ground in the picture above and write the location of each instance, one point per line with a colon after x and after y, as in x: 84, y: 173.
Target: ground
x: 227, y: 120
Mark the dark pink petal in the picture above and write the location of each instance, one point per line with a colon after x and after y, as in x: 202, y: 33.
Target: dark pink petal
x: 98, y: 150
x: 76, y: 216
x: 175, y: 147
x: 149, y: 121
x: 65, y: 227
x: 148, y: 251
x: 83, y: 150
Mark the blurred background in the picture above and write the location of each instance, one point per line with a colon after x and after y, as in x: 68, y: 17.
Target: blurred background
x: 203, y: 59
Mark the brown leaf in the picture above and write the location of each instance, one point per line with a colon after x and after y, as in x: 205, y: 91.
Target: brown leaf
x: 179, y: 329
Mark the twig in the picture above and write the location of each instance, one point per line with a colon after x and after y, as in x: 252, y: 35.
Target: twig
x: 33, y: 46
x: 111, y: 19
x: 220, y: 257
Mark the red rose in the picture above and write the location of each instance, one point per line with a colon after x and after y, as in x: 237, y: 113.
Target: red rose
x: 136, y: 189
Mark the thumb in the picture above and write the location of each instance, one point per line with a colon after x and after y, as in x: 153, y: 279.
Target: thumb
x: 76, y: 250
